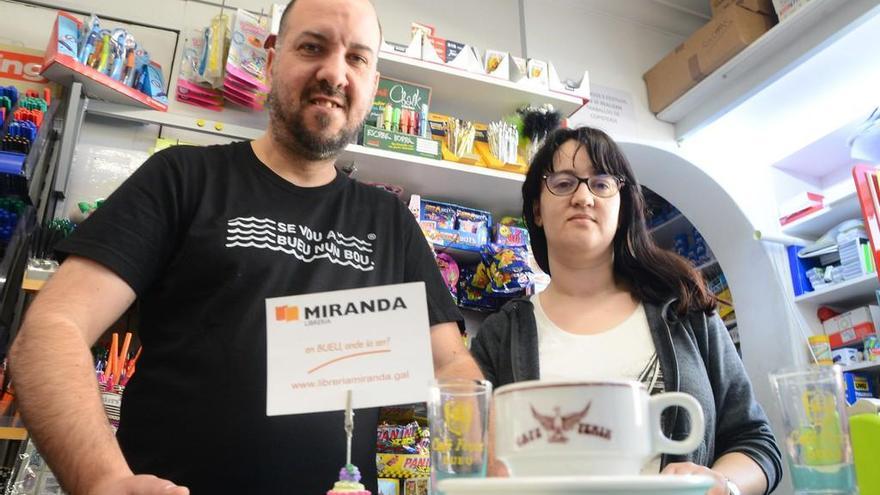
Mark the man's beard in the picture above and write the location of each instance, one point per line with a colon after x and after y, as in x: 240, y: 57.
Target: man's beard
x: 290, y: 130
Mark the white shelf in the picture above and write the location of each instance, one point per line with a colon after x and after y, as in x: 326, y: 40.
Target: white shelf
x: 475, y: 187
x: 868, y: 366
x: 826, y: 155
x: 707, y: 265
x: 170, y: 119
x: 468, y: 95
x: 818, y: 223
x: 813, y: 27
x: 850, y: 293
x: 664, y: 234
x: 675, y: 220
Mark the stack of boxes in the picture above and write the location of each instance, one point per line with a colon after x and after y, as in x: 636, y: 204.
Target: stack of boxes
x: 854, y: 338
x: 735, y: 24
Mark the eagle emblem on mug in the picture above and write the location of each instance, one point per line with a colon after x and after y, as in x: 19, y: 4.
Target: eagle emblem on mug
x: 558, y: 424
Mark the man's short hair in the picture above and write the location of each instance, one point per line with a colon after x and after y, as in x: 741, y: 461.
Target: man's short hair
x: 290, y: 7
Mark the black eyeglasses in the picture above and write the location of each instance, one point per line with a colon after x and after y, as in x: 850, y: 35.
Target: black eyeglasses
x: 566, y: 183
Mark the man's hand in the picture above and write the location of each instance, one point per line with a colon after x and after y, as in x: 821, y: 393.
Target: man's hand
x: 720, y: 487
x: 141, y: 484
x: 497, y: 469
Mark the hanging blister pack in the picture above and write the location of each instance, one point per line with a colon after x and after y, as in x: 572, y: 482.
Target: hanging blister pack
x: 217, y: 38
x: 246, y: 81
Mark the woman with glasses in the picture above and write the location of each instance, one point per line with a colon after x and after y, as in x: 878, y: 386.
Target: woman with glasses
x: 619, y: 307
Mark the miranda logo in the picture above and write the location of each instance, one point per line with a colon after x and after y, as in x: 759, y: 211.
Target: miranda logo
x: 320, y: 314
x: 557, y: 424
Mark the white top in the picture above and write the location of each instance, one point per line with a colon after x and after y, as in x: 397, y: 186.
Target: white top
x: 625, y: 352
x: 620, y: 353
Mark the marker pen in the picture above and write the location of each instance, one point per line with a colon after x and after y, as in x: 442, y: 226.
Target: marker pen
x: 395, y: 120
x: 425, y: 130
x: 380, y: 119
x: 388, y: 117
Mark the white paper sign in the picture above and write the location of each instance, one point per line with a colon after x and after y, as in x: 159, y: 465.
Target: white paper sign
x: 609, y: 109
x: 374, y: 341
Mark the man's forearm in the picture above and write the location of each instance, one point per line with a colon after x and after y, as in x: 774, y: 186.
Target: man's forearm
x: 462, y: 365
x: 742, y: 470
x: 57, y: 393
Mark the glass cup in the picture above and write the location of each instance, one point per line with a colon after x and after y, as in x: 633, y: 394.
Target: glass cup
x: 816, y: 440
x: 458, y: 414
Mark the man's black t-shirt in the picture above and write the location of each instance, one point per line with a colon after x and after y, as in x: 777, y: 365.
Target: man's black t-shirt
x: 203, y: 236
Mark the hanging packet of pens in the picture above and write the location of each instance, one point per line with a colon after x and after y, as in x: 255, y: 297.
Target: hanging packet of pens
x: 114, y: 367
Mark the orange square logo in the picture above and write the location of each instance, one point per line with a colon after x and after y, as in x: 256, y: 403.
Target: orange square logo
x: 286, y: 313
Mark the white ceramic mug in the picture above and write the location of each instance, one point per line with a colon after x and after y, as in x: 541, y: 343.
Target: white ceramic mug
x: 550, y: 428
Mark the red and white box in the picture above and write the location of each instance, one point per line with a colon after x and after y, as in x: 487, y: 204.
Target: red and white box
x: 853, y: 326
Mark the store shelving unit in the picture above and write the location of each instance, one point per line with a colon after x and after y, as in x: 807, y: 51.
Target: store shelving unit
x: 665, y: 232
x: 460, y: 93
x: 707, y: 265
x: 478, y: 187
x: 836, y: 210
x: 849, y: 293
x: 812, y: 27
x: 865, y: 367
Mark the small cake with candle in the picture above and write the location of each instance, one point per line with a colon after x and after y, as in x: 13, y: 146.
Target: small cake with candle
x: 349, y: 482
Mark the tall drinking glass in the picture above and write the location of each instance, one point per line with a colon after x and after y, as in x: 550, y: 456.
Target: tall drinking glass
x: 458, y: 413
x: 816, y: 439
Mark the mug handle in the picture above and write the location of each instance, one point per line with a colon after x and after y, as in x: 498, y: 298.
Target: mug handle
x: 663, y: 444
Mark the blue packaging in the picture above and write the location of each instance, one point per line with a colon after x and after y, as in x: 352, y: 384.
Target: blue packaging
x: 470, y: 231
x: 68, y: 36
x: 152, y: 83
x: 858, y: 386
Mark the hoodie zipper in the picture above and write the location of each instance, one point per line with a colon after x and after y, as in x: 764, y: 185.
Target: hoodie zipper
x: 514, y: 340
x: 664, y: 457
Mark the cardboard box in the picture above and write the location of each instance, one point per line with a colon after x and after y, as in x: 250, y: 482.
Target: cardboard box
x: 853, y: 326
x: 758, y: 6
x: 706, y: 50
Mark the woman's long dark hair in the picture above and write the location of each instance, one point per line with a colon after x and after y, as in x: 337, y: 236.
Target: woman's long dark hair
x: 653, y: 274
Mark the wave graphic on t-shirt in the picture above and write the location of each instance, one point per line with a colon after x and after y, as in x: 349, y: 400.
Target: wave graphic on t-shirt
x: 301, y: 257
x: 355, y: 241
x: 251, y: 232
x: 353, y: 245
x: 236, y: 221
x: 249, y: 238
x: 302, y: 242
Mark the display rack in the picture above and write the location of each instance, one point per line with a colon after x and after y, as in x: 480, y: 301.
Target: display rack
x: 65, y: 70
